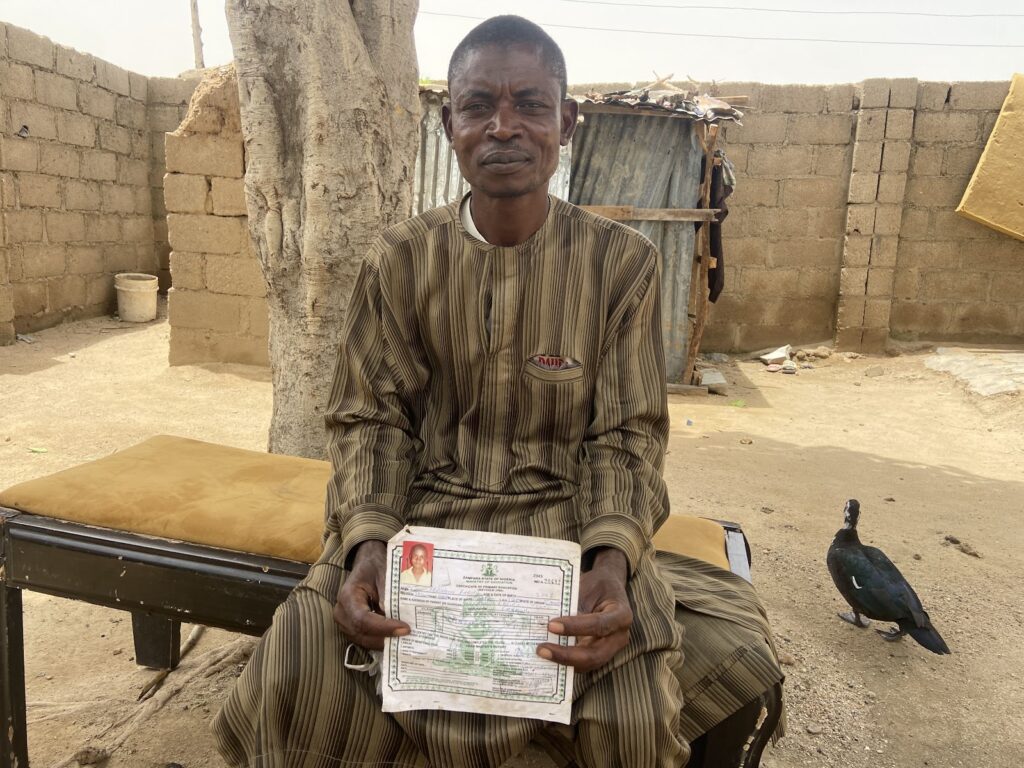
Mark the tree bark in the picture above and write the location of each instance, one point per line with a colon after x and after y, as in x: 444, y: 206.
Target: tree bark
x: 330, y: 111
x: 197, y: 35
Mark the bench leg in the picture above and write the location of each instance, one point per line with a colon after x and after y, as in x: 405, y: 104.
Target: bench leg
x: 13, y: 735
x: 157, y: 640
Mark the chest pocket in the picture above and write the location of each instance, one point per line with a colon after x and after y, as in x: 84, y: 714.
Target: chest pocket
x: 552, y: 416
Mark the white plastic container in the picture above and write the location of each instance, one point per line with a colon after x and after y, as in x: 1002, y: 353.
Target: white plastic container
x: 136, y: 296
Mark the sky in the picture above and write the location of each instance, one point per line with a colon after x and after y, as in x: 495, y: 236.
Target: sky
x: 606, y: 41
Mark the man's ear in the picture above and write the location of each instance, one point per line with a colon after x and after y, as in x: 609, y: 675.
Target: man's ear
x: 446, y: 120
x: 570, y: 115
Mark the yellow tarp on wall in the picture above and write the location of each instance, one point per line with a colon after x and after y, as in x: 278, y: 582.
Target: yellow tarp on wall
x: 995, y: 196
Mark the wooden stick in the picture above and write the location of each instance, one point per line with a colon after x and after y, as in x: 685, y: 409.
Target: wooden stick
x: 703, y: 249
x: 629, y: 213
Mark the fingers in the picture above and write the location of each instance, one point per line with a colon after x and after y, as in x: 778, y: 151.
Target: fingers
x: 610, y: 619
x: 357, y: 613
x: 585, y: 658
x: 600, y: 635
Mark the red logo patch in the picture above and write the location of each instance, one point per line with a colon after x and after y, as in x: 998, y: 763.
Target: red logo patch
x: 554, y: 362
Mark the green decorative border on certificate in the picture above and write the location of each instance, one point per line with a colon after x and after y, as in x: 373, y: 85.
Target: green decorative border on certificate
x: 564, y: 565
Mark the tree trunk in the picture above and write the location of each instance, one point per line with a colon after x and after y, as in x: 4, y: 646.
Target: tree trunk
x: 330, y: 112
x: 197, y: 35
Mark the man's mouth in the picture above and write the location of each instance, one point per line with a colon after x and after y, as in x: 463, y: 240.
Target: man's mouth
x: 505, y: 157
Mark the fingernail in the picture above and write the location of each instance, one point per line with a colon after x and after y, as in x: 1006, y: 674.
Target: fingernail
x: 556, y: 626
x: 402, y: 632
x: 545, y: 653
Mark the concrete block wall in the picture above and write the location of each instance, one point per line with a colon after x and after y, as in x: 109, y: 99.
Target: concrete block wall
x: 217, y: 305
x: 782, y: 238
x: 75, y: 182
x: 954, y: 279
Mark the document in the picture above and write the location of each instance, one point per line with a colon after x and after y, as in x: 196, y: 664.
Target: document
x: 478, y: 605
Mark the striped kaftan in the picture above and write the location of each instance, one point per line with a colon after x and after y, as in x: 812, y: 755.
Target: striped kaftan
x: 513, y: 389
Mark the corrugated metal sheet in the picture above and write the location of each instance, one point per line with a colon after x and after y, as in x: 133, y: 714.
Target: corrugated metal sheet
x: 647, y: 162
x: 438, y: 180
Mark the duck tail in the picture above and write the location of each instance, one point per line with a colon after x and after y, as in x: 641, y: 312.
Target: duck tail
x: 929, y: 638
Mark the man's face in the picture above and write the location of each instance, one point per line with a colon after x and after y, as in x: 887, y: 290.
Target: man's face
x: 419, y: 559
x: 507, y: 120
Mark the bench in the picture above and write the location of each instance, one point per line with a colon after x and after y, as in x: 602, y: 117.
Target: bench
x: 175, y: 530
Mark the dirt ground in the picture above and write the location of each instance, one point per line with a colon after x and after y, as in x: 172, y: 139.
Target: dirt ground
x: 779, y: 454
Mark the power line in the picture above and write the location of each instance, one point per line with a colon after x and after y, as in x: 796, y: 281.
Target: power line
x: 690, y: 7
x: 618, y: 30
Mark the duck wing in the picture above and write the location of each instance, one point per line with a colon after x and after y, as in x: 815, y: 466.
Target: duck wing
x: 871, y: 584
x: 891, y: 589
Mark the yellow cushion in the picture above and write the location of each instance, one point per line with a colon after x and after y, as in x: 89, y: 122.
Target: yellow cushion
x: 193, y: 491
x: 694, y: 537
x: 265, y: 504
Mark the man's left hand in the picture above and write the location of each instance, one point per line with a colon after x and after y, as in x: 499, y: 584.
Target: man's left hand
x: 602, y: 626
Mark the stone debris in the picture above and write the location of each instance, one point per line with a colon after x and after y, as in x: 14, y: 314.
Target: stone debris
x: 714, y: 381
x: 874, y: 371
x: 963, y: 546
x: 985, y: 372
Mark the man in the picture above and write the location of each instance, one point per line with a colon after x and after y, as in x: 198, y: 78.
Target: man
x: 417, y: 573
x: 502, y: 369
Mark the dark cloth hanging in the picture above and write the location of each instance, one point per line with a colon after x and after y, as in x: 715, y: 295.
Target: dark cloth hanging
x: 723, y: 181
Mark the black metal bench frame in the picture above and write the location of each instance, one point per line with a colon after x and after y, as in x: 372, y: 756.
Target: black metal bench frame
x: 162, y: 583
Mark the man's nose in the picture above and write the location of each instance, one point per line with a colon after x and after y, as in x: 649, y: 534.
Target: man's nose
x: 504, y: 124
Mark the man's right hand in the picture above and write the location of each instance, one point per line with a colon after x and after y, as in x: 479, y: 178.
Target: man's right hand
x: 357, y: 610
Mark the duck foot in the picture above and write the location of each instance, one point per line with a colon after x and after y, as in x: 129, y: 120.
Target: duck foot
x: 891, y: 635
x: 852, y: 617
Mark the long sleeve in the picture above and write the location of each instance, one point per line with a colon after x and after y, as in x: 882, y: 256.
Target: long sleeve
x: 625, y: 441
x: 372, y: 441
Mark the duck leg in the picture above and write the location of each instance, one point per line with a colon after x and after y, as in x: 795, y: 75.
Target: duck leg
x: 891, y: 635
x: 852, y: 617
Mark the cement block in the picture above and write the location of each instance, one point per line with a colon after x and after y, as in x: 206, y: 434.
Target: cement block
x: 130, y: 113
x: 43, y: 260
x: 920, y: 317
x: 138, y: 87
x: 899, y: 124
x: 860, y: 219
x: 18, y: 81
x: 748, y: 251
x: 186, y: 193
x: 778, y: 162
x: 171, y: 90
x: 839, y: 98
x: 857, y: 250
x: 811, y: 193
x: 831, y: 160
x: 229, y: 195
x: 143, y: 200
x: 985, y: 319
x: 7, y: 335
x: 884, y: 250
x: 137, y: 229
x: 96, y: 101
x: 113, y: 78
x: 65, y: 292
x: 935, y: 192
x: 1008, y: 289
x: 258, y: 320
x: 132, y: 173
x: 65, y: 227
x: 933, y: 97
x: 56, y: 90
x: 84, y: 260
x: 26, y: 46
x: 164, y: 117
x: 915, y: 223
x: 874, y: 93
x: 117, y: 199
x: 959, y: 286
x: 825, y: 223
x: 905, y: 285
x: 23, y: 226
x: 99, y: 165
x: 29, y: 298
x: 903, y: 93
x: 853, y: 281
x: 792, y: 98
x: 863, y: 187
x: 874, y: 340
x: 99, y: 290
x: 871, y: 124
x: 41, y: 121
x: 59, y: 160
x: 880, y: 282
x: 77, y: 129
x: 115, y: 138
x: 769, y: 283
x: 876, y: 313
x: 895, y: 156
x: 103, y: 228
x: 867, y: 156
x: 231, y: 275
x: 18, y: 154
x: 70, y: 62
x: 188, y: 270
x: 760, y: 129
x: 121, y: 257
x: 888, y: 219
x: 979, y: 95
x: 818, y: 283
x: 927, y: 161
x: 206, y: 234
x: 8, y: 196
x: 891, y: 187
x: 948, y: 127
x: 205, y: 155
x: 38, y: 191
x: 820, y: 129
x: 207, y: 311
x: 961, y: 160
x: 808, y: 253
x: 928, y: 255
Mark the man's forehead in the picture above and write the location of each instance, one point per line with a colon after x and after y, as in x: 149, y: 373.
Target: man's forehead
x: 488, y: 68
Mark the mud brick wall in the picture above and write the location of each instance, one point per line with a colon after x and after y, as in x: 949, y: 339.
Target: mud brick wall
x: 217, y: 305
x: 955, y: 279
x: 75, y: 182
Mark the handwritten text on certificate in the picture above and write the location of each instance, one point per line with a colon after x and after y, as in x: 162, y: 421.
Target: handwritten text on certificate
x: 478, y: 604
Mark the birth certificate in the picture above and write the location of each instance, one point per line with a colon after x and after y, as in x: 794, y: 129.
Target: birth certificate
x: 478, y: 605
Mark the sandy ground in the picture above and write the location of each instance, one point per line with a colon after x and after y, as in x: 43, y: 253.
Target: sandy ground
x: 779, y: 454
